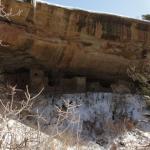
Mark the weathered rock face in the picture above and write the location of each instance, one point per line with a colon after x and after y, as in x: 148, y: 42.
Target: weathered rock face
x: 72, y: 42
x: 102, y: 115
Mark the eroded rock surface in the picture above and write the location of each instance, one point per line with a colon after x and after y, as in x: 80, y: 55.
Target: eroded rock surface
x: 72, y: 42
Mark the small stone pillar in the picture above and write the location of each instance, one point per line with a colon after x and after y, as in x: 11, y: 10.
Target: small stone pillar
x: 38, y: 80
x: 134, y: 32
x: 99, y: 30
x: 80, y: 84
x: 74, y: 84
x: 94, y: 86
x: 2, y: 78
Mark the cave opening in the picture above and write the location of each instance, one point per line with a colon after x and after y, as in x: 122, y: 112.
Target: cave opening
x: 99, y: 85
x: 19, y: 77
x: 60, y: 82
x: 71, y: 83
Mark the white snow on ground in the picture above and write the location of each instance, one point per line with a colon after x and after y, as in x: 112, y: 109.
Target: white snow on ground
x: 95, y: 110
x: 18, y: 132
x: 136, y: 139
x: 27, y: 138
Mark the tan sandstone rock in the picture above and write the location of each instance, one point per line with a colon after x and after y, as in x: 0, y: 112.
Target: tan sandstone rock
x: 75, y: 42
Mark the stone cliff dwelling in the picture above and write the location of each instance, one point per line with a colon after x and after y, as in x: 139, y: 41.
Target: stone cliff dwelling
x: 69, y: 50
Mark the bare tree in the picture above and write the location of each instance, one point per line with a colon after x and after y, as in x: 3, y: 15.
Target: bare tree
x: 7, y: 15
x: 68, y: 125
x: 12, y: 109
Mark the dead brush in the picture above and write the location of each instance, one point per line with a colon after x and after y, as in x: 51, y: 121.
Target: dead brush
x: 16, y: 101
x: 7, y: 15
x: 68, y: 127
x: 12, y: 108
x: 120, y: 126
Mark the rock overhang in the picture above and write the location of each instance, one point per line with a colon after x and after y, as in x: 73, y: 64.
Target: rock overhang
x: 72, y: 42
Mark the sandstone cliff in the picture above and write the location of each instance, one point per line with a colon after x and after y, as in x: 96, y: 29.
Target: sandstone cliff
x: 72, y: 42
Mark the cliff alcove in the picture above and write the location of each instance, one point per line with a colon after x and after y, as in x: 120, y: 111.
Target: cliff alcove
x: 90, y: 67
x: 91, y: 48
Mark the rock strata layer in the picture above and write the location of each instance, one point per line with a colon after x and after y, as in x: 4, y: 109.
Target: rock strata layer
x: 72, y: 42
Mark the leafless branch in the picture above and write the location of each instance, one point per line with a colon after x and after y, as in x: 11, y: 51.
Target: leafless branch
x: 7, y: 15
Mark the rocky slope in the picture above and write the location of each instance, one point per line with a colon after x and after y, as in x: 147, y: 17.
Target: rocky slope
x: 100, y: 120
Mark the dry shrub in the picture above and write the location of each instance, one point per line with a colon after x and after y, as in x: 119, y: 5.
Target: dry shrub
x: 7, y: 15
x: 68, y: 127
x: 13, y: 134
x: 17, y: 107
x: 120, y: 126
